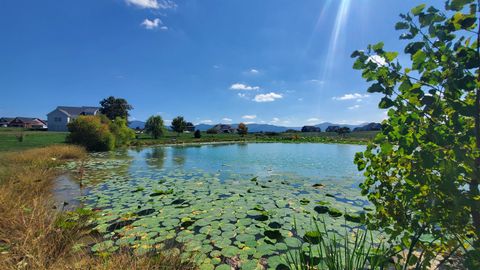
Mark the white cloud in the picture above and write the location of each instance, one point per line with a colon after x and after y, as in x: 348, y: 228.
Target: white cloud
x: 241, y: 86
x: 267, y: 97
x: 313, y: 119
x: 254, y: 71
x: 354, y: 107
x: 377, y: 59
x: 275, y: 120
x: 152, y: 24
x: 351, y: 96
x: 250, y: 117
x: 153, y: 4
x: 227, y: 119
x: 207, y: 121
x: 242, y: 95
x: 300, y: 99
x: 315, y: 81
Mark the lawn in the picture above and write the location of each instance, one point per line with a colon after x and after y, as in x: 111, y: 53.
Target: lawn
x: 10, y: 139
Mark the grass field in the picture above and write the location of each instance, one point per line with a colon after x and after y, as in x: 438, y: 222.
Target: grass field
x: 10, y: 139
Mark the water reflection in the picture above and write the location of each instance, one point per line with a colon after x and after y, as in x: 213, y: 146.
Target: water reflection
x: 155, y: 157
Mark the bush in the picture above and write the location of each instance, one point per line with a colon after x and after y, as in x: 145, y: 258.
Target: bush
x: 92, y: 133
x: 212, y: 131
x: 197, y: 134
x: 123, y: 134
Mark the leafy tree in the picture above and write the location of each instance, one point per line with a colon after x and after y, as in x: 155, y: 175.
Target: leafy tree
x: 197, y: 134
x: 212, y: 131
x: 179, y: 124
x: 123, y: 134
x: 154, y: 126
x: 92, y: 133
x: 115, y: 107
x: 423, y: 169
x: 242, y: 129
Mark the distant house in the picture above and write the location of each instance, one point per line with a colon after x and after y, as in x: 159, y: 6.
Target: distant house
x: 190, y: 127
x: 5, y: 121
x: 223, y: 128
x: 369, y: 127
x: 332, y: 129
x: 311, y: 129
x: 28, y: 122
x: 59, y: 118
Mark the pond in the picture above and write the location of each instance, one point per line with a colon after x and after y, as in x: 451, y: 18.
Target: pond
x: 221, y: 202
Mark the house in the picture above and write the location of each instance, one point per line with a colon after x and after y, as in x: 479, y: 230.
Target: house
x: 5, y: 121
x: 59, y: 118
x: 332, y: 129
x: 222, y: 128
x: 311, y: 129
x: 190, y: 127
x: 28, y: 122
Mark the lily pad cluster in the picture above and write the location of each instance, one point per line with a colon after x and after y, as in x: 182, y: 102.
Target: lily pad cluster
x: 215, y: 217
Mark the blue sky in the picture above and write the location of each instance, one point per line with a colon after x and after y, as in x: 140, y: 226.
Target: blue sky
x: 284, y: 62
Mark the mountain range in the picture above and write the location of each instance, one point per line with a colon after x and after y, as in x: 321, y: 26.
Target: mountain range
x: 256, y: 127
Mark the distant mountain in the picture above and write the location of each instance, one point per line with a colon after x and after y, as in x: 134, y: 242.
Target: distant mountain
x: 136, y: 124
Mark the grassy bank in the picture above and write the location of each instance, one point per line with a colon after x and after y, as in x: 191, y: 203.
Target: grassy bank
x: 14, y: 139
x: 33, y: 235
x: 313, y: 137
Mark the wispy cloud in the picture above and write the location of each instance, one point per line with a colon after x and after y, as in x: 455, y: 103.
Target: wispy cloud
x: 227, y: 119
x: 275, y: 120
x: 242, y: 95
x: 351, y: 96
x: 313, y: 119
x: 207, y: 121
x: 315, y: 81
x: 244, y: 87
x: 267, y: 97
x: 253, y: 71
x: 354, y: 107
x: 153, y: 24
x: 152, y: 4
x: 250, y: 117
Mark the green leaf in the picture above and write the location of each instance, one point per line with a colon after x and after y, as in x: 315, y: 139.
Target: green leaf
x: 402, y: 26
x: 385, y: 103
x: 418, y: 9
x: 376, y: 88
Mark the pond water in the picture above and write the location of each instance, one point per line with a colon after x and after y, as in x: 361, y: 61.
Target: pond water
x: 221, y: 202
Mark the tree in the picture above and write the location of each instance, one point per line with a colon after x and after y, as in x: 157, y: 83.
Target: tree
x: 197, y: 134
x: 154, y: 126
x: 242, y: 129
x: 179, y: 124
x: 423, y: 169
x: 115, y: 107
x: 123, y: 134
x: 343, y: 130
x: 92, y: 133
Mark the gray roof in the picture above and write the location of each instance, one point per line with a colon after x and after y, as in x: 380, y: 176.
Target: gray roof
x: 75, y: 111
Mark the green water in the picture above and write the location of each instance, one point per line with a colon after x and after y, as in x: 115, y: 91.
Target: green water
x: 221, y: 201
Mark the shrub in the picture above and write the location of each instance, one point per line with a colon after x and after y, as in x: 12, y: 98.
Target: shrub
x: 123, y: 134
x: 212, y: 131
x: 154, y: 126
x: 92, y: 133
x: 197, y: 134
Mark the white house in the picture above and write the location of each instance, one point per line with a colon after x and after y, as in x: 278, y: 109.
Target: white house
x: 62, y: 115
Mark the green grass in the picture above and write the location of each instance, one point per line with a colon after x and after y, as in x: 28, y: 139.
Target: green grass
x: 314, y: 137
x: 31, y: 139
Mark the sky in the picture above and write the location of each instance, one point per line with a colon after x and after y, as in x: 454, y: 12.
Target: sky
x: 282, y: 62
